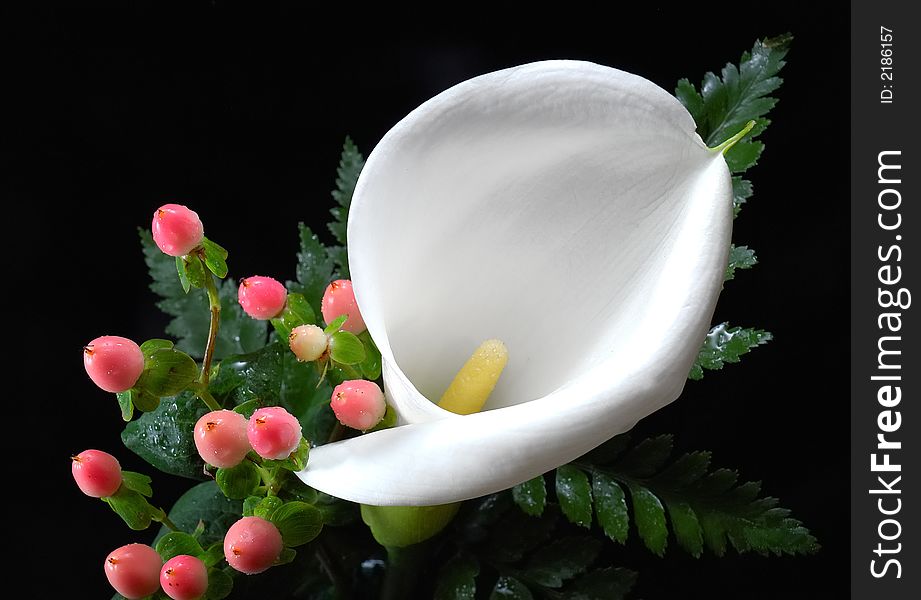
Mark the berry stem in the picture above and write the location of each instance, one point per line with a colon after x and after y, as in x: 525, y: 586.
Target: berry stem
x: 161, y: 517
x: 214, y: 303
x: 201, y: 390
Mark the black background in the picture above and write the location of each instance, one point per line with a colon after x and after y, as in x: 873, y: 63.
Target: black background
x: 241, y: 116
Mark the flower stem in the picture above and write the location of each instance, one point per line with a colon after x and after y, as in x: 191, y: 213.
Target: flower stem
x: 403, y: 568
x: 201, y: 390
x: 214, y: 303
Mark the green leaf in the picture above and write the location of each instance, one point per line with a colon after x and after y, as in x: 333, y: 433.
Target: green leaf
x: 297, y: 312
x: 167, y: 372
x: 509, y: 588
x: 215, y: 258
x: 296, y: 461
x: 206, y: 503
x: 154, y: 344
x: 686, y: 527
x: 562, y: 560
x: 516, y: 534
x: 145, y: 401
x: 743, y: 155
x: 220, y: 584
x: 213, y: 555
x: 574, y: 494
x: 298, y: 522
x: 182, y: 270
x: 314, y: 268
x: 350, y: 165
x: 250, y: 504
x: 238, y: 482
x: 646, y: 457
x: 371, y: 365
x: 531, y: 496
x: 650, y: 518
x: 457, y: 579
x: 602, y: 584
x: 138, y: 482
x: 190, y: 314
x: 741, y: 191
x: 248, y: 408
x: 175, y: 543
x: 164, y: 437
x: 740, y: 257
x: 132, y: 507
x: 346, y: 348
x: 267, y: 507
x: 725, y: 104
x: 191, y: 272
x: 611, y: 507
x: 126, y: 403
x: 336, y: 325
x: 726, y: 345
x: 273, y: 376
x: 287, y: 556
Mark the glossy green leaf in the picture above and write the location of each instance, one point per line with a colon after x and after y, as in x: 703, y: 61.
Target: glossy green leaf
x: 741, y: 191
x: 647, y: 457
x: 336, y: 324
x: 213, y: 555
x: 220, y: 585
x: 167, y: 372
x: 346, y: 348
x: 145, y: 401
x: 215, y: 258
x: 126, y: 403
x: 509, y: 588
x: 248, y: 408
x: 287, y: 556
x: 314, y: 268
x: 238, y: 482
x: 371, y: 365
x: 298, y: 522
x: 297, y: 312
x: 726, y: 345
x: 267, y: 507
x: 350, y: 164
x: 457, y: 579
x: 725, y: 104
x: 743, y: 155
x: 132, y: 507
x: 175, y: 543
x: 686, y: 527
x: 740, y: 257
x: 206, y: 503
x: 611, y: 507
x: 164, y: 439
x: 531, y: 496
x: 138, y: 482
x: 575, y: 495
x: 152, y: 345
x: 650, y: 518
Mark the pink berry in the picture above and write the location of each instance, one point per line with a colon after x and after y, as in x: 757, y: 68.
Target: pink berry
x: 134, y: 570
x: 184, y: 577
x: 113, y: 363
x: 338, y: 300
x: 358, y: 404
x: 273, y: 432
x: 252, y: 545
x: 262, y: 297
x: 308, y: 342
x: 97, y: 473
x: 177, y: 230
x: 220, y: 437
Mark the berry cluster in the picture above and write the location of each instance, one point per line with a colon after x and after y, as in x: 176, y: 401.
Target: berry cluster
x: 249, y: 449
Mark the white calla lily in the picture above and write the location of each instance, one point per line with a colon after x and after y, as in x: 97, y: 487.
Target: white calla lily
x: 565, y: 208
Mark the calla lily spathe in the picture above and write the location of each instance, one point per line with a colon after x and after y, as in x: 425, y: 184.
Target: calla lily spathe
x: 565, y: 208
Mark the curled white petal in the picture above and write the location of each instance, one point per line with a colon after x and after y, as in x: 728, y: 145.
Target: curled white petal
x: 566, y: 208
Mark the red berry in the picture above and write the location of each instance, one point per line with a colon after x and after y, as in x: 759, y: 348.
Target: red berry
x: 134, y: 570
x: 308, y: 342
x: 177, y: 230
x: 220, y: 437
x: 273, y: 432
x: 262, y: 297
x: 338, y: 300
x: 184, y: 577
x: 252, y: 545
x: 97, y: 473
x: 113, y: 363
x: 358, y: 404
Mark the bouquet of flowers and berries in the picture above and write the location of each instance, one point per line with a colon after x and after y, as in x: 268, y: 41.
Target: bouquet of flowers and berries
x: 439, y: 404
